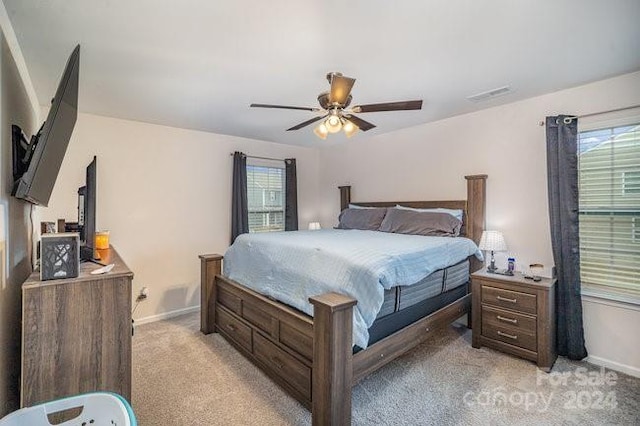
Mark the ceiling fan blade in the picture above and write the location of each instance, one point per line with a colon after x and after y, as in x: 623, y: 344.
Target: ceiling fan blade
x: 283, y: 107
x: 306, y: 123
x: 389, y: 106
x: 362, y: 125
x: 340, y: 89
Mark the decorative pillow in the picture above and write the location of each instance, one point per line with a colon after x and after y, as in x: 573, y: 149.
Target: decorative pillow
x: 401, y: 221
x: 365, y: 219
x: 457, y: 213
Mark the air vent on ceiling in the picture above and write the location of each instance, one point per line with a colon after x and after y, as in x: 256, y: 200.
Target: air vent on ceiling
x: 490, y: 94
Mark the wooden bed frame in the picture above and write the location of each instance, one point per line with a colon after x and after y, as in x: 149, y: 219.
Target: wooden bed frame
x: 312, y: 357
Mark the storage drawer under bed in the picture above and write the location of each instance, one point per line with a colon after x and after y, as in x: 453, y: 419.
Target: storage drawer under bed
x: 234, y: 328
x: 286, y: 366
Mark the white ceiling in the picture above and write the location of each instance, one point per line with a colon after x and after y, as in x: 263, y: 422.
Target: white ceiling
x: 198, y: 64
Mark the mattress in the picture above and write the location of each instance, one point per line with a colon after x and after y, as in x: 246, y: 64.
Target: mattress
x: 440, y: 281
x: 387, y: 325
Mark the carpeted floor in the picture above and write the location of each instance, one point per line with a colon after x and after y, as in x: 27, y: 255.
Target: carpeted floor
x: 181, y: 377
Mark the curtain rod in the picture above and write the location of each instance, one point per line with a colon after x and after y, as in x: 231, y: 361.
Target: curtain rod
x: 261, y: 158
x: 597, y: 113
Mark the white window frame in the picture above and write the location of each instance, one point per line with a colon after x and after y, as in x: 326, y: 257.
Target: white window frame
x: 601, y: 121
x: 272, y: 164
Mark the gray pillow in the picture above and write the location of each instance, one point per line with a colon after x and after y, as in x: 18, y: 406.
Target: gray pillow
x: 365, y: 219
x: 421, y: 223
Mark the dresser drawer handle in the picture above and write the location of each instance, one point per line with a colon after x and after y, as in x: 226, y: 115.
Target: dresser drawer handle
x: 504, y: 299
x: 277, y: 362
x: 510, y: 336
x: 231, y: 327
x: 511, y: 320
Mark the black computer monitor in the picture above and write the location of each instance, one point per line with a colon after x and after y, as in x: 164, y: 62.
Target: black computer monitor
x: 87, y: 216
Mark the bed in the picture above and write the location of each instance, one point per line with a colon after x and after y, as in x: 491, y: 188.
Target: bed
x: 315, y: 358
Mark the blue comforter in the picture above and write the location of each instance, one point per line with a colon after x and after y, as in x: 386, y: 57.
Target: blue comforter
x: 293, y: 266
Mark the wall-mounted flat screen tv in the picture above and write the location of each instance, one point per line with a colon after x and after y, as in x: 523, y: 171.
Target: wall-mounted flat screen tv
x: 36, y: 164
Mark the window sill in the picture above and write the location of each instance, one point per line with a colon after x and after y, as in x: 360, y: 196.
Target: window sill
x: 615, y: 300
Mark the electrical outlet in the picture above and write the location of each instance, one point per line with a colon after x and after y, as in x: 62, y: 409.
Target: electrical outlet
x: 143, y: 294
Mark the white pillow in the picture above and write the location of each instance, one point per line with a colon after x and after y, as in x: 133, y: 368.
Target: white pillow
x: 457, y: 213
x: 355, y: 206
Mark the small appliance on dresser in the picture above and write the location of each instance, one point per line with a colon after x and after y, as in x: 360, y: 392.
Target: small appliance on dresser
x: 515, y: 315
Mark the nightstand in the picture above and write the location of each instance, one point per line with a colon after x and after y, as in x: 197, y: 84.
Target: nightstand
x: 515, y: 315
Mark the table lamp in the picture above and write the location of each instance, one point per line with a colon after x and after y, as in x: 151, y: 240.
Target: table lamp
x: 492, y: 241
x: 314, y: 226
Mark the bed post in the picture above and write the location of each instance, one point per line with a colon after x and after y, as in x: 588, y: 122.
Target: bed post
x: 345, y: 196
x: 476, y: 210
x: 210, y: 266
x: 332, y: 359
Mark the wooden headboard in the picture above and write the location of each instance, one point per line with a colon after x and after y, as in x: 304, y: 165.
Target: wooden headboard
x: 474, y: 207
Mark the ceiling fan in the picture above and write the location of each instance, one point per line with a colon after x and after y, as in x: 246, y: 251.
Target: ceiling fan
x: 336, y: 114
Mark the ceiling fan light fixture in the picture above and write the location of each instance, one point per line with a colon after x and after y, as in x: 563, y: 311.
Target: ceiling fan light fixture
x: 336, y: 113
x: 321, y: 131
x: 349, y: 128
x: 333, y: 123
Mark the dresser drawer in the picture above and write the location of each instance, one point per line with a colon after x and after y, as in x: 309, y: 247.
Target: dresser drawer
x: 286, y: 366
x: 514, y: 337
x: 515, y: 300
x: 504, y: 318
x: 232, y: 327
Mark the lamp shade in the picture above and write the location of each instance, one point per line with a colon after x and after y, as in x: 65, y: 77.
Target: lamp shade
x: 492, y: 241
x: 314, y: 226
x: 333, y: 124
x: 349, y: 128
x: 321, y: 131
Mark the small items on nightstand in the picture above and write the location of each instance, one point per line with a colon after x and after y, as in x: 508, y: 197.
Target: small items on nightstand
x: 535, y: 270
x: 493, y: 241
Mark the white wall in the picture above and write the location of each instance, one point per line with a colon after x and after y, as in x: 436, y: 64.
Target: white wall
x: 507, y: 143
x: 165, y: 195
x: 16, y: 107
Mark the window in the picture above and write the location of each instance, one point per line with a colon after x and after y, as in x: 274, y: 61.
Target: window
x: 609, y: 211
x: 265, y: 196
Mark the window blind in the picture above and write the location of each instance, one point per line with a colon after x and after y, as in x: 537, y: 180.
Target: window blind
x: 265, y: 196
x: 609, y: 211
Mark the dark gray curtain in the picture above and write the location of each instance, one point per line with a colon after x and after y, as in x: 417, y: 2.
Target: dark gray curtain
x: 562, y: 170
x: 291, y: 195
x: 239, y: 203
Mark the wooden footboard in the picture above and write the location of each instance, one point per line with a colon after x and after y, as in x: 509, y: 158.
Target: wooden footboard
x: 306, y: 356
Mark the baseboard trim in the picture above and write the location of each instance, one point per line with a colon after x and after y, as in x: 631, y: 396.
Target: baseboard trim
x: 622, y: 368
x: 167, y: 315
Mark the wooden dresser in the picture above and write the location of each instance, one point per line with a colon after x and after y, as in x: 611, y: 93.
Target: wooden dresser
x: 515, y: 315
x: 76, y: 333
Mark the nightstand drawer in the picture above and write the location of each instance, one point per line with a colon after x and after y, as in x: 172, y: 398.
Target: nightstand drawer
x: 515, y: 300
x: 512, y: 336
x: 503, y: 318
